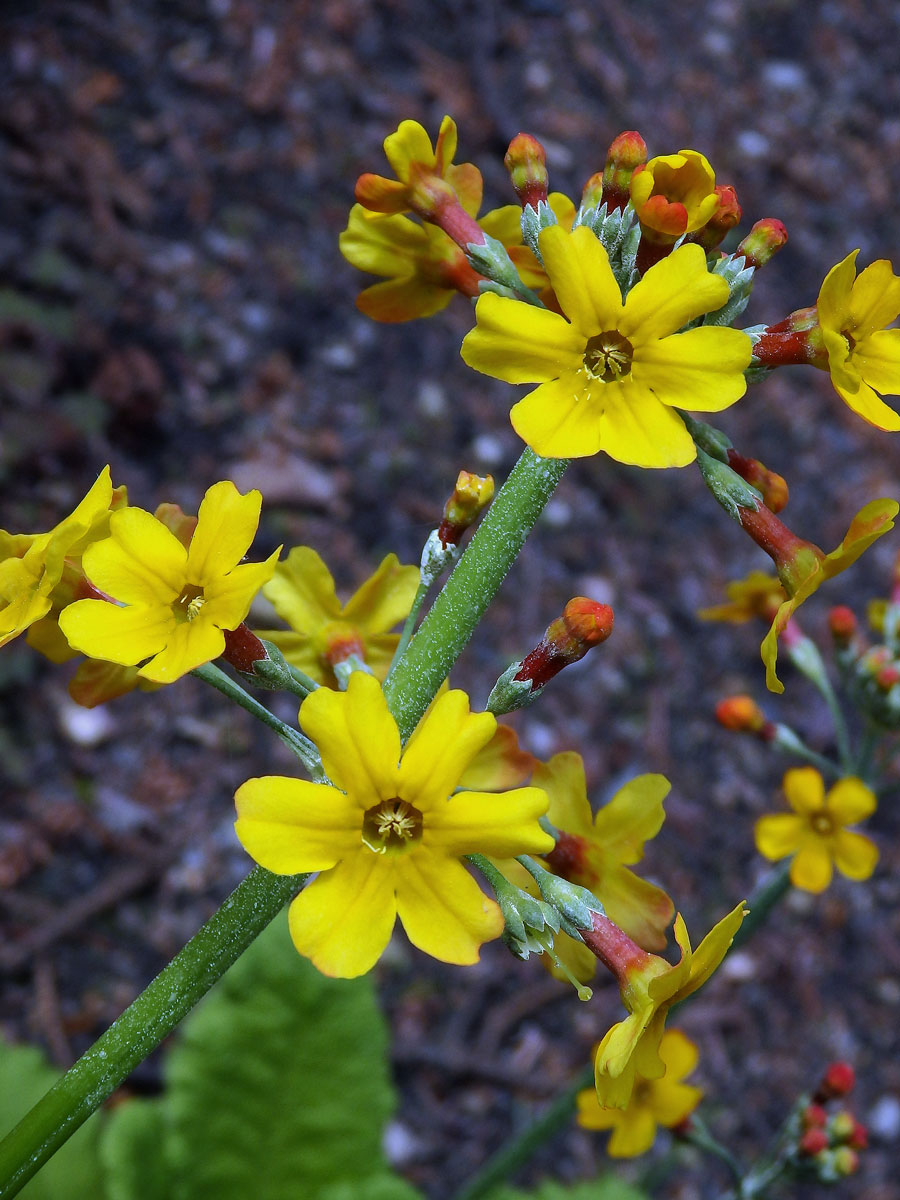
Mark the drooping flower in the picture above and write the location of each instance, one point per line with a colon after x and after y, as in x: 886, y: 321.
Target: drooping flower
x: 863, y: 357
x: 649, y: 987
x: 666, y: 1101
x: 323, y: 631
x: 815, y: 832
x: 611, y: 373
x: 173, y: 602
x: 32, y: 565
x: 389, y: 834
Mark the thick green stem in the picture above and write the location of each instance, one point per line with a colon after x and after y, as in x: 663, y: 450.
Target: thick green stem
x: 143, y: 1025
x: 469, y: 590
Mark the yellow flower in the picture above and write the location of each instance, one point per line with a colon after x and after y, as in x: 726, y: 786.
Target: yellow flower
x: 611, y: 374
x: 649, y: 986
x: 757, y: 595
x: 323, y: 632
x: 807, y: 568
x: 666, y: 1101
x: 175, y: 600
x: 417, y: 165
x: 863, y: 356
x: 388, y: 836
x: 674, y: 194
x: 32, y: 565
x: 814, y: 833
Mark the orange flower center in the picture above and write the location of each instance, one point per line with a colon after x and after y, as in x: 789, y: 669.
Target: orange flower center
x: 189, y: 603
x: 822, y: 824
x: 391, y: 827
x: 607, y: 356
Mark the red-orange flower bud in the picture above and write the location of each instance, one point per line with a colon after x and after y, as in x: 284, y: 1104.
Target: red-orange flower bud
x: 627, y: 152
x: 741, y: 714
x: 243, y: 648
x: 592, y: 192
x: 859, y: 1138
x: 526, y: 163
x: 814, y: 1116
x: 470, y: 496
x: 584, y: 624
x: 839, y: 1080
x: 763, y: 242
x: 842, y: 623
x: 773, y: 486
x: 723, y: 220
x: 813, y: 1142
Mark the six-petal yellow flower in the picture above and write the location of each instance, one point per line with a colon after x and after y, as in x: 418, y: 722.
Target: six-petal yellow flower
x: 611, y: 373
x: 389, y: 835
x: 175, y: 601
x: 815, y: 832
x: 666, y: 1101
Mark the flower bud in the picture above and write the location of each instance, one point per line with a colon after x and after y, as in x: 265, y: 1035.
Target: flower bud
x: 842, y: 1126
x: 471, y: 495
x: 526, y: 163
x: 763, y: 242
x: 770, y: 484
x: 592, y: 192
x: 627, y: 152
x: 839, y: 1080
x: 842, y: 623
x: 844, y: 1161
x: 741, y: 714
x: 584, y: 624
x: 814, y: 1116
x: 813, y: 1142
x: 723, y: 220
x: 859, y: 1138
x: 242, y: 649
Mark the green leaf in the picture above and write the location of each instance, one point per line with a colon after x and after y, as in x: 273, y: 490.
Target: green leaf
x: 378, y: 1187
x: 25, y: 1075
x: 132, y: 1152
x: 279, y: 1085
x: 605, y: 1188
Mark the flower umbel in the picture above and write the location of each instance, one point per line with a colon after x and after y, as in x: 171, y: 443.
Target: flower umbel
x: 323, y: 631
x: 175, y: 600
x: 665, y: 1101
x: 611, y: 372
x: 388, y: 836
x: 815, y: 832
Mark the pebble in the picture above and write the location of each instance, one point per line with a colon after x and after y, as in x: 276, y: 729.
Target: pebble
x: 884, y: 1118
x: 85, y: 726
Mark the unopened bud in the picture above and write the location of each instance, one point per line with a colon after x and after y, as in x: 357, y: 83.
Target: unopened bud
x: 763, y: 242
x: 839, y: 1080
x: 627, y: 152
x: 584, y: 624
x: 842, y: 623
x: 842, y: 1126
x: 470, y: 496
x: 741, y: 714
x: 859, y: 1138
x: 770, y: 484
x: 844, y: 1161
x: 814, y: 1116
x: 813, y: 1142
x: 592, y: 192
x: 243, y: 648
x: 526, y: 163
x: 723, y: 220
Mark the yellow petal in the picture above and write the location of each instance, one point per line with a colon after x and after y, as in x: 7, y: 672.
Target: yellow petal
x: 141, y: 562
x: 679, y: 1054
x: 357, y: 738
x: 388, y: 246
x: 591, y: 1116
x: 850, y: 801
x: 874, y: 299
x: 519, y: 343
x: 380, y: 649
x: 343, y: 919
x: 408, y: 144
x: 466, y: 181
x: 579, y: 271
x: 188, y: 645
x: 804, y: 788
x: 444, y: 743
x: 634, y: 1134
x: 633, y: 816
x: 842, y: 365
x: 384, y: 599
x: 504, y: 224
x: 613, y: 1066
x: 641, y: 909
x: 443, y: 910
x: 404, y: 299
x: 811, y: 866
x: 119, y: 635
x: 228, y: 597
x: 289, y: 825
x: 778, y: 835
x: 671, y: 293
x: 300, y: 652
x: 302, y: 591
x: 878, y: 359
x: 700, y: 370
x: 866, y: 403
x: 855, y: 856
x: 503, y: 824
x: 562, y: 778
x: 445, y: 147
x: 833, y: 303
x: 226, y: 526
x: 501, y: 764
x: 713, y: 949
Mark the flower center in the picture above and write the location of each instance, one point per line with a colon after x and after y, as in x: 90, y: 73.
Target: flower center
x: 607, y: 356
x: 391, y: 827
x: 189, y: 603
x: 822, y: 824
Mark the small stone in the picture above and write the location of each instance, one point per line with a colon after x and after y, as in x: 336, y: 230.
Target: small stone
x: 85, y: 726
x: 884, y: 1118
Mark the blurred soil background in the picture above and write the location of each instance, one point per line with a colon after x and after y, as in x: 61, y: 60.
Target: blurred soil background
x: 174, y: 179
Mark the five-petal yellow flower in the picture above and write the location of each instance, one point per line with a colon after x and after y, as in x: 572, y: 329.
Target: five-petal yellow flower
x: 389, y: 835
x: 666, y: 1101
x: 815, y: 832
x: 323, y: 631
x: 611, y: 373
x: 175, y: 601
x: 863, y: 356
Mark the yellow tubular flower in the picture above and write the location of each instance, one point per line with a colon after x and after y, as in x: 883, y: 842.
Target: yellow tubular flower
x: 610, y: 373
x: 757, y: 595
x: 649, y: 987
x: 323, y: 631
x: 674, y: 194
x: 416, y: 163
x: 815, y: 832
x: 666, y: 1101
x: 389, y: 835
x: 32, y: 564
x: 175, y: 601
x: 863, y: 356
